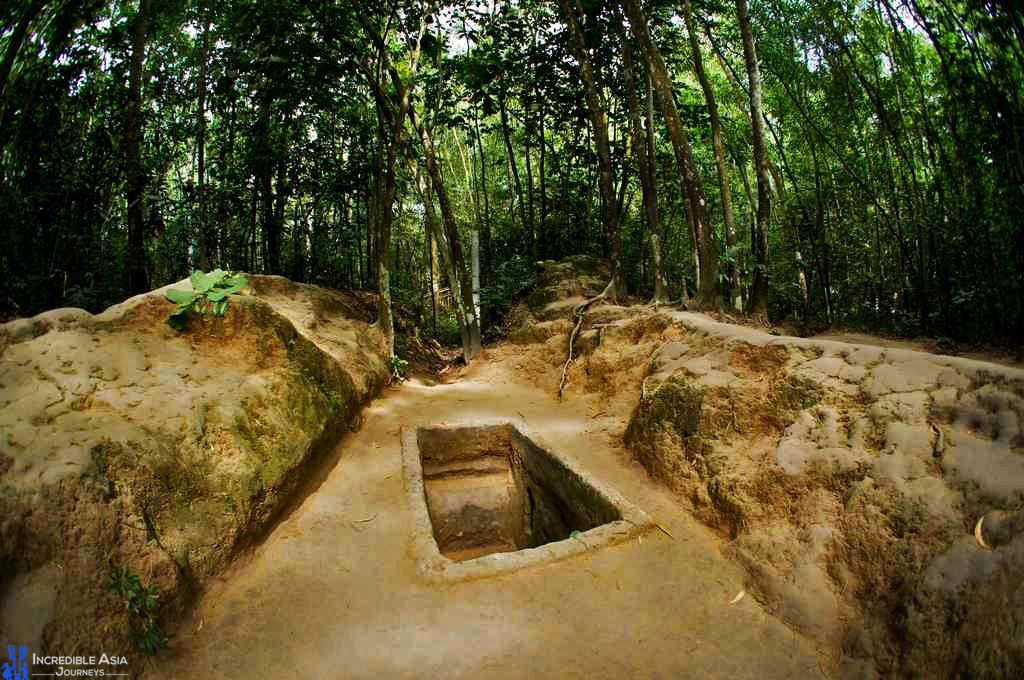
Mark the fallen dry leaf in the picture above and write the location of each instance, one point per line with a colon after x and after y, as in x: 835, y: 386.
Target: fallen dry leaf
x: 977, y: 535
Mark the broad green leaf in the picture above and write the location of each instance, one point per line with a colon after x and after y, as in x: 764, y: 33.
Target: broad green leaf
x: 182, y: 297
x: 231, y: 289
x: 217, y: 294
x: 200, y: 281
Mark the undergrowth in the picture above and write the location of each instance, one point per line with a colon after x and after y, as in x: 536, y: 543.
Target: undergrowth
x: 140, y: 602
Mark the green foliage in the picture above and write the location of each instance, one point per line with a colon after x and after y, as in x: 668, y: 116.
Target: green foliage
x: 447, y: 330
x: 209, y: 295
x: 140, y: 602
x: 894, y: 139
x: 399, y: 368
x: 512, y: 278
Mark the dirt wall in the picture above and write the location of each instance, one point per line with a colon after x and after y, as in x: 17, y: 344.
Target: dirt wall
x: 127, y: 444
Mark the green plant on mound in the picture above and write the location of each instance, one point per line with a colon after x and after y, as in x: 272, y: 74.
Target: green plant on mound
x: 209, y: 294
x: 140, y: 603
x: 399, y: 368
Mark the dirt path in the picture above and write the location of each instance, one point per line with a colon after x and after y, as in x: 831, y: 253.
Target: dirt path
x: 921, y: 345
x: 333, y: 591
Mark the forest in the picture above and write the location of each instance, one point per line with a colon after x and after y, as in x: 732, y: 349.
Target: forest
x: 843, y: 161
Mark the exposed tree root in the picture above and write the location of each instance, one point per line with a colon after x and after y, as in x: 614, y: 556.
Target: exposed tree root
x: 578, y: 313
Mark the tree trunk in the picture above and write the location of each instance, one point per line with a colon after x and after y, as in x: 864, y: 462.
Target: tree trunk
x: 513, y: 166
x: 716, y: 141
x: 759, y: 293
x: 204, y: 244
x: 17, y: 37
x: 641, y: 153
x: 394, y: 114
x: 609, y: 210
x: 475, y: 254
x: 462, y: 289
x: 531, y: 233
x: 543, y: 181
x: 265, y: 181
x: 138, y: 271
x: 709, y: 295
x: 488, y: 255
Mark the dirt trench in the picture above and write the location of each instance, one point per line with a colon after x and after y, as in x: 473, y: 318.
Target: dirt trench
x: 809, y: 512
x: 335, y: 590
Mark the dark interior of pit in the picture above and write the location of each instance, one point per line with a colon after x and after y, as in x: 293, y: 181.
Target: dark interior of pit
x: 491, y: 489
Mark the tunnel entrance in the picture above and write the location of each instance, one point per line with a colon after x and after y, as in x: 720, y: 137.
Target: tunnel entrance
x: 492, y: 490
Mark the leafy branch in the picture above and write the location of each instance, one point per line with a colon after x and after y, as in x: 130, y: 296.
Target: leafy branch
x: 209, y: 294
x: 140, y: 601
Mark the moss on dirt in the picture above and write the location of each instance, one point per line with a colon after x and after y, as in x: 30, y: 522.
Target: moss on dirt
x: 670, y: 411
x: 535, y: 333
x: 182, y: 487
x: 889, y: 539
x: 978, y: 631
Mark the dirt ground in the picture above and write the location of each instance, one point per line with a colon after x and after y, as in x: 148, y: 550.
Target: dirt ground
x: 806, y: 505
x: 334, y: 590
x: 127, y: 447
x: 816, y: 498
x: 929, y: 345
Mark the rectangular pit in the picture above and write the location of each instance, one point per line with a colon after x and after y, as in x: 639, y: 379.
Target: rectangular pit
x: 490, y: 499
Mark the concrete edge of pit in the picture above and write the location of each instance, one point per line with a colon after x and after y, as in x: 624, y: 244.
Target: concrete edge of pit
x: 435, y: 568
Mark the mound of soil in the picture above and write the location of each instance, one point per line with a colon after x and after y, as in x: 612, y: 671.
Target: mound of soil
x: 847, y: 479
x: 125, y: 443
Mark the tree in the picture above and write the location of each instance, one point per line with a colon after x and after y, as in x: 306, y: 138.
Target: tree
x: 709, y: 294
x: 138, y: 270
x: 391, y: 116
x: 643, y: 151
x: 717, y: 144
x: 759, y: 293
x: 598, y: 123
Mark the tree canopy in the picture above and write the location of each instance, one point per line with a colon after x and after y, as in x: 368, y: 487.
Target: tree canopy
x: 856, y: 161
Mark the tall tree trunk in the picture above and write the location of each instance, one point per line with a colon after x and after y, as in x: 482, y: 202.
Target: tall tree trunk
x: 276, y: 235
x: 543, y: 181
x: 709, y: 294
x: 638, y: 142
x: 394, y: 114
x: 513, y: 167
x: 609, y: 210
x: 759, y: 294
x: 448, y: 237
x: 265, y: 179
x: 17, y: 37
x: 716, y: 141
x: 488, y: 255
x: 531, y: 233
x: 224, y: 205
x: 204, y: 236
x: 138, y: 270
x: 462, y: 288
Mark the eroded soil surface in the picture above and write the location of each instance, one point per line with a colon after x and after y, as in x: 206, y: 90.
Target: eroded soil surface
x: 334, y: 590
x: 126, y: 445
x: 831, y: 506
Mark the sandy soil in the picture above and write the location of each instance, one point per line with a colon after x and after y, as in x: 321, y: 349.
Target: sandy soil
x: 919, y: 345
x: 333, y: 591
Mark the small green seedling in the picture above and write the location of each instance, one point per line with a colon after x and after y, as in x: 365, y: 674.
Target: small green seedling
x: 209, y: 294
x: 140, y: 601
x: 399, y: 368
